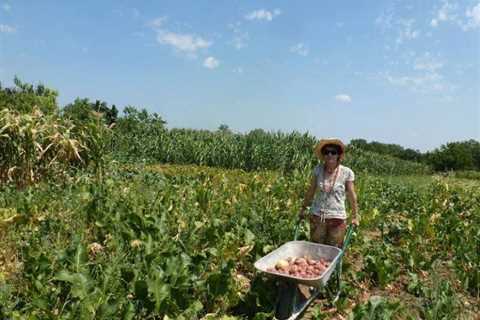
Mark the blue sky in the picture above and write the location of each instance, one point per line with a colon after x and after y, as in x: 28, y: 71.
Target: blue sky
x: 405, y: 72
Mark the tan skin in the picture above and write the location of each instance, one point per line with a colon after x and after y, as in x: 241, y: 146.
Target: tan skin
x: 331, y: 162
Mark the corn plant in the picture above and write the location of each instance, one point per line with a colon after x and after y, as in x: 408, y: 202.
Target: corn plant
x: 34, y: 144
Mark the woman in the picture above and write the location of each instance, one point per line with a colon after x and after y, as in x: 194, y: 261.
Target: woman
x: 330, y: 182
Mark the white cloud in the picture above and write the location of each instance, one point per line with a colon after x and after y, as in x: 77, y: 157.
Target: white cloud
x: 263, y: 14
x: 158, y: 22
x: 451, y: 12
x: 183, y: 42
x: 238, y: 70
x: 345, y: 98
x: 385, y: 20
x: 425, y: 76
x: 427, y: 63
x: 430, y: 81
x: 240, y: 38
x: 4, y: 28
x: 300, y: 48
x: 473, y: 18
x: 6, y: 7
x: 211, y: 63
x: 407, y: 31
x: 444, y: 13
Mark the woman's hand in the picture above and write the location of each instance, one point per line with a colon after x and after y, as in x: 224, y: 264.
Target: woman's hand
x: 352, y: 198
x: 355, y: 221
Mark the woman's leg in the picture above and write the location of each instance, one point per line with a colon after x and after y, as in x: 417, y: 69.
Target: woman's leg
x: 335, y: 232
x: 318, y: 230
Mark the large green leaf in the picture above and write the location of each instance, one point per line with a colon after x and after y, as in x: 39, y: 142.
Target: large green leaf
x: 80, y: 284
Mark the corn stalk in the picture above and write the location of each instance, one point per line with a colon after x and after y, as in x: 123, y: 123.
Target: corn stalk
x: 33, y: 145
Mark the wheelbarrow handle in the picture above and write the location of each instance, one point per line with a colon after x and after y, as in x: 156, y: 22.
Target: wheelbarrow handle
x: 348, y: 236
x: 297, y: 227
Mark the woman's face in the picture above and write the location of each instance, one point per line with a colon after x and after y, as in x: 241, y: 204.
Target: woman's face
x: 331, y: 155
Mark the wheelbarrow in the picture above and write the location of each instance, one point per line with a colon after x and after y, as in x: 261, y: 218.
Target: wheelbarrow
x: 291, y: 303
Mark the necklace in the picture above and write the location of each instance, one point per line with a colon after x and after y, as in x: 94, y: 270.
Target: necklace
x: 325, y: 186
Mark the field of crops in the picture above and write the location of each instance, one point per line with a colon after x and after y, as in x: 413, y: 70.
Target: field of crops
x: 179, y: 242
x: 146, y: 140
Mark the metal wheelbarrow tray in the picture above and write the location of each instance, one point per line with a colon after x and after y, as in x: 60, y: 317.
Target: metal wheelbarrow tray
x: 292, y: 308
x: 297, y: 249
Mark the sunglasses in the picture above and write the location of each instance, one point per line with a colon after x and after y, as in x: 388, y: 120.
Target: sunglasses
x: 332, y: 152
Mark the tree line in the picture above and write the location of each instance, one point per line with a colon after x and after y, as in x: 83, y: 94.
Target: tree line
x: 458, y: 155
x: 23, y: 97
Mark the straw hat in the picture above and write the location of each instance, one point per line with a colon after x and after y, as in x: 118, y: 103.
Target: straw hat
x: 323, y: 142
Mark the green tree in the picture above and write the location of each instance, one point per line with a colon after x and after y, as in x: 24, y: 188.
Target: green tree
x: 394, y: 150
x: 81, y: 110
x: 110, y: 114
x: 23, y: 97
x: 224, y: 128
x: 462, y: 155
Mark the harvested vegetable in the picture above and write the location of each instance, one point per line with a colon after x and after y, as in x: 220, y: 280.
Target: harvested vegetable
x: 281, y: 264
x: 302, y: 267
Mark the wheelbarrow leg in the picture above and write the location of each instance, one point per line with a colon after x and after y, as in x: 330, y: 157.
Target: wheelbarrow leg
x: 288, y: 297
x: 334, y: 287
x: 291, y: 301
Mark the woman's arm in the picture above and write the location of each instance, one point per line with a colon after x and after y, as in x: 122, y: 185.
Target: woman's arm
x: 308, y: 196
x: 352, y: 199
